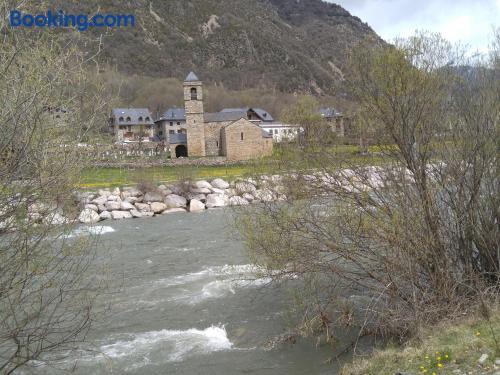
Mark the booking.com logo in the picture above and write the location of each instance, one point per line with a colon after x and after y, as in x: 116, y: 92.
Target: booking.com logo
x: 60, y: 19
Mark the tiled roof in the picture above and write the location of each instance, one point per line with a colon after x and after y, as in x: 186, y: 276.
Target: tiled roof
x: 174, y: 114
x: 329, y: 112
x: 224, y: 116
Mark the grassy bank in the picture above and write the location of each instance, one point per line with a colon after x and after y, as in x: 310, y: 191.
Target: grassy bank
x: 110, y: 177
x: 450, y: 348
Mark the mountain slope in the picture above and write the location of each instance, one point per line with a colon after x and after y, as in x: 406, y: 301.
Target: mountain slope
x: 287, y: 45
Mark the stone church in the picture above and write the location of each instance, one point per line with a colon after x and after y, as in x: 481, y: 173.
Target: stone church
x: 222, y: 133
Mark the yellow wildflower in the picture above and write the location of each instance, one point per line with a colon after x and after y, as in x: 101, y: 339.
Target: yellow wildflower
x: 440, y: 365
x: 478, y: 333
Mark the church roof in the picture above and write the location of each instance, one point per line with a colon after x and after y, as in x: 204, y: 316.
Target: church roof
x: 191, y: 77
x: 225, y: 116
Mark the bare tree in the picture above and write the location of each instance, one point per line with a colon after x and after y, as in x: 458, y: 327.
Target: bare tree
x: 417, y: 233
x: 50, y: 103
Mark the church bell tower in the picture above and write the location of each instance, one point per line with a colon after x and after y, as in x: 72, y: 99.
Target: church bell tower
x: 193, y: 104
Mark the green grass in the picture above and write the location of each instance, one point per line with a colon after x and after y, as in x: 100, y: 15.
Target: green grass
x: 442, y: 349
x: 111, y: 177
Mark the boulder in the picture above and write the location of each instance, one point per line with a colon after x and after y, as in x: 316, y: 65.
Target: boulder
x: 200, y: 197
x: 126, y: 206
x: 99, y: 200
x: 245, y: 187
x: 165, y: 190
x: 101, y: 207
x: 105, y: 215
x: 218, y: 191
x: 197, y: 190
x: 264, y: 195
x: 132, y: 200
x: 121, y: 215
x: 104, y: 192
x: 237, y: 201
x: 158, y: 207
x: 153, y: 196
x: 113, y: 206
x: 249, y: 197
x: 143, y: 207
x: 135, y: 213
x: 114, y: 198
x: 92, y: 207
x: 202, y: 184
x: 89, y: 216
x: 178, y: 189
x: 55, y: 218
x: 116, y: 191
x: 195, y: 205
x: 174, y: 210
x: 175, y: 201
x: 131, y: 192
x: 230, y: 192
x: 148, y: 213
x: 216, y: 200
x: 219, y: 183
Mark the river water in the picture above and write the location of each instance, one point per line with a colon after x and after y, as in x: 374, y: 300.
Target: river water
x: 189, y: 303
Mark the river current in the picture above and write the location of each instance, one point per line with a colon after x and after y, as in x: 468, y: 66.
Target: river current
x: 190, y: 302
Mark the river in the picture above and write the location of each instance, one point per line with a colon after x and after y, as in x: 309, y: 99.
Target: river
x: 189, y: 303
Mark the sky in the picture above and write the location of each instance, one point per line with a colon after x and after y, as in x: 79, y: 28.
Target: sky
x: 468, y: 21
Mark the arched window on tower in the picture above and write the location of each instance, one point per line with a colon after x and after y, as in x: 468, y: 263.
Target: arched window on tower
x: 194, y: 95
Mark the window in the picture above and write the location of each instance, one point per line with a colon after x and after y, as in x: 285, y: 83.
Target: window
x: 241, y: 135
x: 217, y: 143
x: 160, y: 133
x: 171, y: 132
x: 123, y: 127
x: 178, y: 123
x: 140, y: 118
x: 179, y: 131
x: 128, y: 119
x: 275, y: 131
x: 194, y: 95
x: 120, y: 119
x: 147, y: 118
x: 171, y: 123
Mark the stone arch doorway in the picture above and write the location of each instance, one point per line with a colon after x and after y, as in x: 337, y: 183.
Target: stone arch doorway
x: 181, y: 150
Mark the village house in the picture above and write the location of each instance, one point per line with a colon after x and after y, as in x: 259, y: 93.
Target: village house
x: 131, y: 125
x: 335, y: 119
x: 172, y: 121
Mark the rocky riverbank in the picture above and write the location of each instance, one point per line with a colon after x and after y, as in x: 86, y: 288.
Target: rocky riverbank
x: 131, y: 202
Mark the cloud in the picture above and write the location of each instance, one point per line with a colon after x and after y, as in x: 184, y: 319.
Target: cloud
x: 468, y: 21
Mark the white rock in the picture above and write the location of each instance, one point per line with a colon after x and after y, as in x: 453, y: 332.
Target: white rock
x: 92, y: 207
x: 174, y: 210
x: 219, y: 183
x: 158, y: 207
x: 264, y: 195
x: 497, y: 361
x: 175, y: 201
x: 218, y: 191
x: 197, y: 190
x: 114, y: 198
x: 482, y: 360
x: 104, y: 192
x: 131, y: 192
x: 121, y: 215
x: 153, y: 196
x: 88, y: 216
x: 105, y: 215
x: 230, y: 192
x: 216, y: 200
x: 132, y: 200
x: 116, y: 191
x: 125, y: 206
x: 249, y: 197
x: 143, y: 207
x: 148, y: 213
x: 113, y: 206
x: 135, y: 213
x: 99, y: 200
x: 202, y: 184
x: 245, y: 187
x: 200, y: 197
x: 237, y: 201
x: 101, y: 207
x: 56, y: 218
x: 195, y: 205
